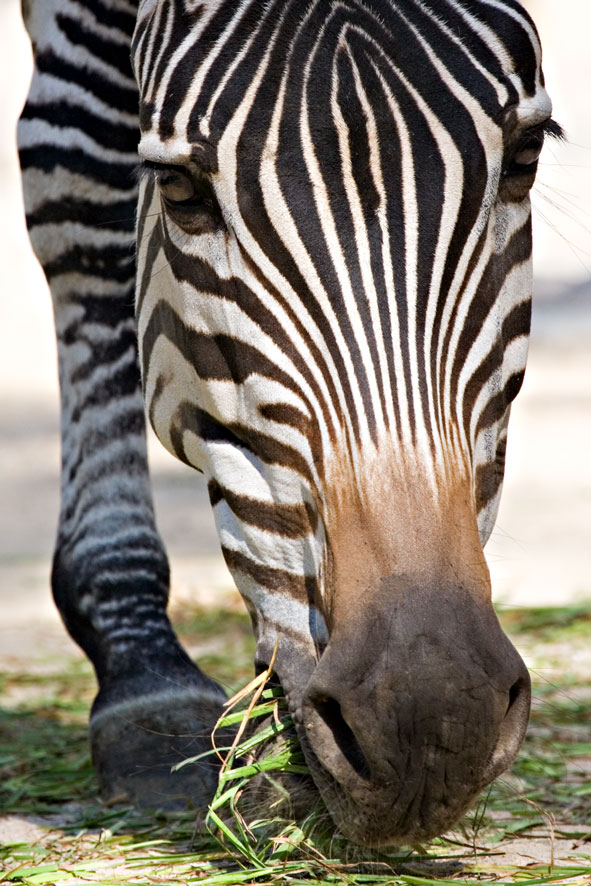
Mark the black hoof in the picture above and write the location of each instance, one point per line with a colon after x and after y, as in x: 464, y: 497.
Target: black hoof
x: 135, y: 745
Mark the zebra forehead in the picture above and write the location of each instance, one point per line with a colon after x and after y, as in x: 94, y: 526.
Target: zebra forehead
x: 324, y: 48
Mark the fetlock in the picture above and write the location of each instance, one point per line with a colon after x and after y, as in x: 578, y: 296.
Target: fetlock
x: 154, y: 707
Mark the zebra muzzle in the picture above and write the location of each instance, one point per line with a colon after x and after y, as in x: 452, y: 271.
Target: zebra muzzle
x: 410, y: 712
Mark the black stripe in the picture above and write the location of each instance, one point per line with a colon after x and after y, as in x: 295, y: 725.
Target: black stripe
x: 214, y: 357
x: 439, y: 398
x: 65, y: 114
x: 254, y: 26
x: 111, y: 17
x: 109, y: 52
x: 115, y: 263
x: 487, y: 480
x: 122, y: 98
x: 116, y: 216
x: 189, y: 417
x: 202, y: 276
x: 514, y: 38
x: 302, y: 588
x: 460, y: 64
x: 517, y: 251
x: 104, y: 310
x: 289, y: 521
x: 123, y: 380
x: 48, y: 157
x: 497, y: 405
x: 515, y: 325
x: 299, y: 196
x: 184, y: 21
x: 98, y: 438
x: 359, y: 149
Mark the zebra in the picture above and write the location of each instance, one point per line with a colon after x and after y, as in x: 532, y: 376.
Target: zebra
x: 332, y: 288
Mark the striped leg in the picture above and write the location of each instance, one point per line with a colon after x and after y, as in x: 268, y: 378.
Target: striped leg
x: 77, y: 138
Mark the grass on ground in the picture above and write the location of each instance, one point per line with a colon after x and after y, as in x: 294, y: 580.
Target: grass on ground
x: 533, y: 825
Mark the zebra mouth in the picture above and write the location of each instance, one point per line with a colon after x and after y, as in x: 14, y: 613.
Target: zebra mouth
x: 410, y: 795
x: 400, y: 737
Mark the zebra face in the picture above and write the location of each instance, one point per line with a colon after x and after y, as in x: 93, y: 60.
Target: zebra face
x: 333, y: 306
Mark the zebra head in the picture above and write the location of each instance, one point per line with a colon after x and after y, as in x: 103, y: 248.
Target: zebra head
x: 333, y: 305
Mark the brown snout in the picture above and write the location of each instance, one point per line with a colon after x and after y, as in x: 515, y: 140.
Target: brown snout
x: 417, y: 703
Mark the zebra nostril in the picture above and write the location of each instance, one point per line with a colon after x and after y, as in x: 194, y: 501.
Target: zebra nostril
x: 331, y: 722
x: 512, y: 729
x: 514, y: 695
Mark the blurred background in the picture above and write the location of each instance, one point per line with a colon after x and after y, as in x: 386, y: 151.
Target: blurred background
x: 540, y: 552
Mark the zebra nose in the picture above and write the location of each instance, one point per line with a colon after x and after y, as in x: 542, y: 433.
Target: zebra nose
x: 330, y: 732
x: 410, y: 712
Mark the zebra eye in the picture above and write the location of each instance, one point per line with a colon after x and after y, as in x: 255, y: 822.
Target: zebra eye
x: 527, y: 154
x: 521, y: 161
x: 188, y: 200
x: 521, y: 165
x: 175, y: 185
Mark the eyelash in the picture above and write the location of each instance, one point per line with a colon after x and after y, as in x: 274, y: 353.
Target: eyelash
x: 553, y: 129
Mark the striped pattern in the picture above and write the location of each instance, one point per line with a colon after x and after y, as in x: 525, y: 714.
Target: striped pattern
x: 334, y: 326
x: 332, y: 297
x: 78, y: 152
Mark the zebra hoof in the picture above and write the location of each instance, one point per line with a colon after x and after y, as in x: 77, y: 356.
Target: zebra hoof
x: 136, y: 744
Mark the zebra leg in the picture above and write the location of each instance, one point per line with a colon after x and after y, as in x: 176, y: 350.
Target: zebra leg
x: 77, y: 138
